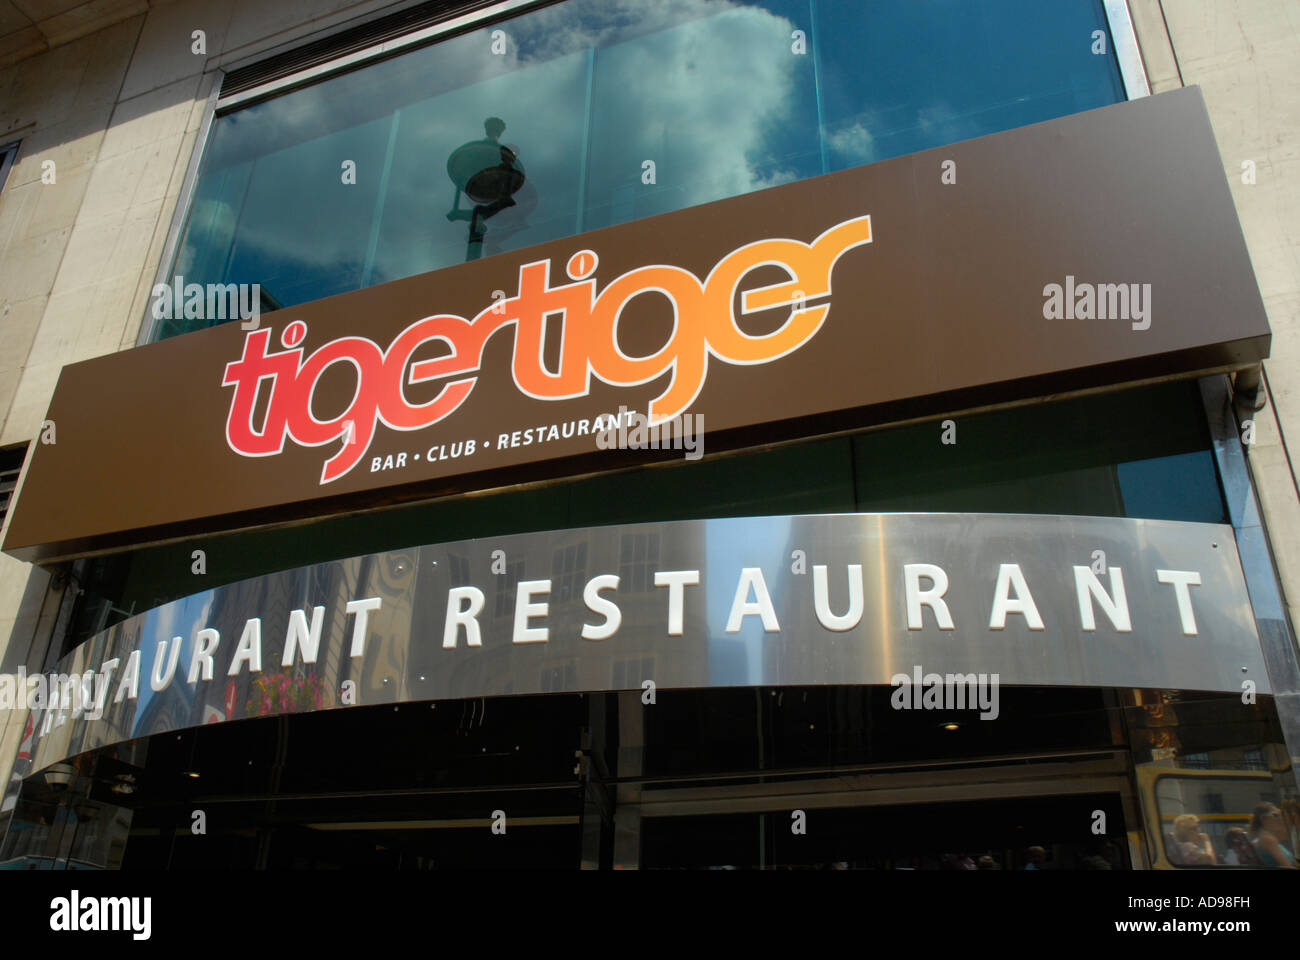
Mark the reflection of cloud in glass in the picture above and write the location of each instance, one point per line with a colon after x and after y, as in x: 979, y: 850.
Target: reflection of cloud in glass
x: 737, y: 658
x: 680, y: 82
x: 207, y: 238
x: 940, y: 123
x: 187, y: 617
x: 542, y: 109
x: 851, y: 144
x: 702, y: 101
x: 870, y: 137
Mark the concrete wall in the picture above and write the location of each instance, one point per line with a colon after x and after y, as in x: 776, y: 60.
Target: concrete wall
x: 1245, y: 56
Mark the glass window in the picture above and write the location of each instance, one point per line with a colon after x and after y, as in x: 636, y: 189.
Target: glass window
x: 908, y: 76
x: 506, y: 589
x: 639, y: 557
x: 611, y: 112
x: 569, y: 571
x: 1214, y: 780
x: 1222, y: 820
x: 1106, y: 456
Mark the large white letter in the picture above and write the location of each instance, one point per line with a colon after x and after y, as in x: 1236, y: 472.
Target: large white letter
x: 249, y: 649
x: 362, y: 609
x: 299, y: 634
x: 525, y: 608
x: 205, y: 644
x: 1086, y: 583
x: 676, y: 581
x: 598, y: 604
x: 751, y: 578
x: 458, y: 616
x: 1180, y: 579
x: 822, y: 603
x: 102, y: 682
x: 932, y: 598
x: 129, y: 685
x: 1009, y: 575
x: 156, y: 679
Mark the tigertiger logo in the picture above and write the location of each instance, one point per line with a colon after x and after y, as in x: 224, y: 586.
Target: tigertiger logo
x: 705, y: 325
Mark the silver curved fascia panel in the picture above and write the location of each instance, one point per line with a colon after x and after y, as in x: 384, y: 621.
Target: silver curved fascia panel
x: 758, y: 601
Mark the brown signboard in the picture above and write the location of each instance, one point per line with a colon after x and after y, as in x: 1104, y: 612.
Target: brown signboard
x: 1094, y: 249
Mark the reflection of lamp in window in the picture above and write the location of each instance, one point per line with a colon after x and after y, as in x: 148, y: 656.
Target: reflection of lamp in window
x: 487, y: 172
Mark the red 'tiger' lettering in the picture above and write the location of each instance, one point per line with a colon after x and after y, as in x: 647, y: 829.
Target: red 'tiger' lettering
x: 705, y: 326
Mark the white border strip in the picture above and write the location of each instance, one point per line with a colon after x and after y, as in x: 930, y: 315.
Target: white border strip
x: 1131, y: 69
